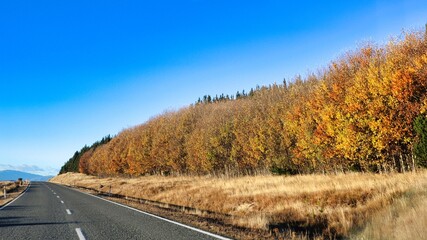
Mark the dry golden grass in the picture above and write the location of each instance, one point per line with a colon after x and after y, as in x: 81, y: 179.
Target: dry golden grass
x: 405, y: 218
x: 5, y: 183
x: 13, y: 190
x: 312, y: 205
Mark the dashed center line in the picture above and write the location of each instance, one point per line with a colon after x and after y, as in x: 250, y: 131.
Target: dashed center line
x: 62, y: 202
x: 57, y: 196
x: 80, y: 234
x: 68, y: 211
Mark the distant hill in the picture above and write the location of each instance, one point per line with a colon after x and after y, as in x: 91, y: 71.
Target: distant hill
x: 14, y: 175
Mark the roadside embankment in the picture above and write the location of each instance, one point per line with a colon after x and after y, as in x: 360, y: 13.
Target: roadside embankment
x: 302, y: 206
x: 13, y: 189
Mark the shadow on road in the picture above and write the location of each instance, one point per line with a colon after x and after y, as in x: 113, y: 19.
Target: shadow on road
x: 15, y: 208
x: 22, y: 221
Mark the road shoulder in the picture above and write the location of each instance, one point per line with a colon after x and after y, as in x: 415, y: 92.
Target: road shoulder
x: 12, y: 195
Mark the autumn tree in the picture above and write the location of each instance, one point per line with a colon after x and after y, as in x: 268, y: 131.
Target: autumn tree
x: 356, y: 114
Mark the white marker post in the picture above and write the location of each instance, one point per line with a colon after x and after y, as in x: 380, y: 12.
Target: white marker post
x: 4, y: 192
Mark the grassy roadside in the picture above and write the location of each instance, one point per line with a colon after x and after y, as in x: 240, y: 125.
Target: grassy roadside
x: 13, y: 190
x: 405, y: 218
x: 308, y: 206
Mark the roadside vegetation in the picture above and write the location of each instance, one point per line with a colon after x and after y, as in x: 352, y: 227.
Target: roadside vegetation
x: 13, y: 189
x: 72, y: 165
x: 405, y: 218
x: 356, y: 114
x: 323, y: 206
x: 319, y: 156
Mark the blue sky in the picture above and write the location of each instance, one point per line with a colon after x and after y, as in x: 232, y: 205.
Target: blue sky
x: 72, y: 72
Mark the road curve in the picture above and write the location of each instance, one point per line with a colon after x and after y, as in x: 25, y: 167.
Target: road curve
x: 51, y: 211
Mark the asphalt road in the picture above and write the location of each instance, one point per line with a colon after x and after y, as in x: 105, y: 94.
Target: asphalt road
x: 50, y: 211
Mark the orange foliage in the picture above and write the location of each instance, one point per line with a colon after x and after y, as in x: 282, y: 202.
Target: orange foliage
x: 356, y: 114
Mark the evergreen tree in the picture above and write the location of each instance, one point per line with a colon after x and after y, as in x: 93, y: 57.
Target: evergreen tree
x: 420, y: 148
x: 72, y: 165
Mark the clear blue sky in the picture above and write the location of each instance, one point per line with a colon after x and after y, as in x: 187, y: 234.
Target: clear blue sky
x: 72, y: 72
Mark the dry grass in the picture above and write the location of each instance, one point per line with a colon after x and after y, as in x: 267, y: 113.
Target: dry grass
x: 13, y: 189
x: 405, y: 218
x: 5, y: 184
x: 311, y: 205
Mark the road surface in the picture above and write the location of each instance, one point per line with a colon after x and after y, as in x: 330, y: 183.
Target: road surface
x: 50, y: 211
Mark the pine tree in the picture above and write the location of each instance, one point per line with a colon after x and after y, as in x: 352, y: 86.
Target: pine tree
x: 420, y: 148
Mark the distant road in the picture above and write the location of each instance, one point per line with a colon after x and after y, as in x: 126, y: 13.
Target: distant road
x: 50, y: 211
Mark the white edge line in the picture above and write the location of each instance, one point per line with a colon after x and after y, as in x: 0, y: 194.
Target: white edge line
x: 29, y: 185
x: 80, y: 234
x: 158, y: 217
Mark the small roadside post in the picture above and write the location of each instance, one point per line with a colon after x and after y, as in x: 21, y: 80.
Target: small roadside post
x: 4, y: 192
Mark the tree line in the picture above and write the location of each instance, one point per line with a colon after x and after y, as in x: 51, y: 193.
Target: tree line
x: 224, y: 97
x: 356, y: 114
x: 72, y: 165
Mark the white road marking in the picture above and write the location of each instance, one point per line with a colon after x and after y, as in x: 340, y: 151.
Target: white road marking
x: 158, y: 217
x: 80, y: 234
x: 68, y: 211
x: 57, y: 196
x: 62, y: 202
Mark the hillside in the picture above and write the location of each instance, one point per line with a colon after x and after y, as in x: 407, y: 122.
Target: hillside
x: 357, y: 114
x: 13, y: 175
x: 72, y: 165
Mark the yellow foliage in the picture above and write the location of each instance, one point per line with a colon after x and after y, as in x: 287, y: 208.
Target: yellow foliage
x: 357, y: 114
